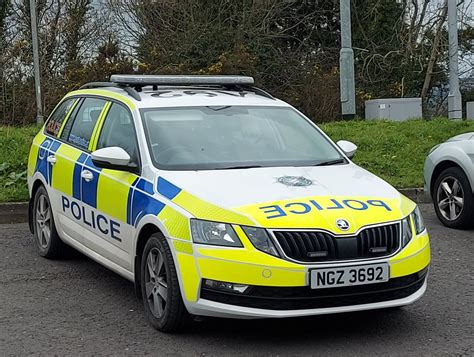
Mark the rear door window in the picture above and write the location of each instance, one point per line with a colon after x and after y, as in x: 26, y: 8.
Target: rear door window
x: 84, y: 122
x: 57, y: 118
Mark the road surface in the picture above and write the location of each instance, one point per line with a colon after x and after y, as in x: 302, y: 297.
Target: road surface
x: 75, y: 306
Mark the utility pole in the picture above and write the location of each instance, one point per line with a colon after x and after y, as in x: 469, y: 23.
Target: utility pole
x: 454, y: 96
x: 36, y: 64
x: 346, y: 62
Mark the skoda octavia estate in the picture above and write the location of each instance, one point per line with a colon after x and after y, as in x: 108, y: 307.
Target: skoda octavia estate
x: 217, y: 199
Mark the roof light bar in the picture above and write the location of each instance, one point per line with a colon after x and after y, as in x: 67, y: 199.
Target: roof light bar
x: 180, y: 80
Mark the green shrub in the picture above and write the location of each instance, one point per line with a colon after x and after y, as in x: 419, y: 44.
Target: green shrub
x: 396, y: 151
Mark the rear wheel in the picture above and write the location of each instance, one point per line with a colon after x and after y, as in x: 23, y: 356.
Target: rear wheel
x: 164, y: 307
x: 453, y: 199
x: 47, y: 238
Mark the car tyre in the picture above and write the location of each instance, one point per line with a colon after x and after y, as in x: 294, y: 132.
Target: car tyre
x: 453, y: 199
x: 164, y: 307
x: 47, y: 238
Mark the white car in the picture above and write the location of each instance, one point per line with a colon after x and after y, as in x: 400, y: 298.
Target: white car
x: 217, y: 199
x: 449, y: 179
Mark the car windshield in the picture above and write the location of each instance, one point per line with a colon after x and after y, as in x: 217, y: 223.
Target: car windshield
x: 231, y: 137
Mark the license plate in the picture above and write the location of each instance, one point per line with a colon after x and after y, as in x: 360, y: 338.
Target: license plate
x: 349, y: 275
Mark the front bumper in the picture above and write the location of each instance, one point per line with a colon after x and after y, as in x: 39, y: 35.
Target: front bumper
x: 212, y: 308
x: 281, y: 288
x: 304, y: 298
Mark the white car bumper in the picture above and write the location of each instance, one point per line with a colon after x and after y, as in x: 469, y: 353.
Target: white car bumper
x: 205, y: 307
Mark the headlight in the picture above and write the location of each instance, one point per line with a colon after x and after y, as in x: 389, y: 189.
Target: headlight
x: 418, y: 220
x: 260, y: 239
x: 418, y: 223
x: 214, y: 233
x: 407, y: 234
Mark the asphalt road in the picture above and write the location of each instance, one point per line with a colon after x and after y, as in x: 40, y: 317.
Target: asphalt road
x: 75, y: 306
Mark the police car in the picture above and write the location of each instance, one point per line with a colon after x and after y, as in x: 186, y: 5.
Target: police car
x: 217, y: 199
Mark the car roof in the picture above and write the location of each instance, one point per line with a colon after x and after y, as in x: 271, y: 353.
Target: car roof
x: 151, y: 91
x: 185, y: 96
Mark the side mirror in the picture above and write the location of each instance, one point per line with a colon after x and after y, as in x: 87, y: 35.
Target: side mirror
x: 348, y: 148
x: 114, y: 158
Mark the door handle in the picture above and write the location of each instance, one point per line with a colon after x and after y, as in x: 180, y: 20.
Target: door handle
x: 87, y: 175
x: 51, y: 159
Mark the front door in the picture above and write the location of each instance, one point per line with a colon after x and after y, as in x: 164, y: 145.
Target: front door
x: 109, y: 192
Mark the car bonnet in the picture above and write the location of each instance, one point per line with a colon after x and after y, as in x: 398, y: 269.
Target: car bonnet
x: 287, y: 197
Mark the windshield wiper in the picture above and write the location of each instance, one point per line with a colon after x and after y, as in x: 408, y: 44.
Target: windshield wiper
x: 238, y: 167
x: 331, y: 162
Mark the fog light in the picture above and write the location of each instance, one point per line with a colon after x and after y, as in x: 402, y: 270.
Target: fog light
x: 222, y: 285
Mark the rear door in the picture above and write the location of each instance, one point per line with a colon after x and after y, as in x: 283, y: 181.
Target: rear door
x: 109, y: 192
x: 75, y: 135
x: 60, y: 160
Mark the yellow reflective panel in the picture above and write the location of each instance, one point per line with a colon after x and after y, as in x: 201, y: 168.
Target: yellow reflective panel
x: 33, y: 154
x: 63, y: 172
x: 323, y: 212
x: 235, y: 272
x: 183, y: 247
x: 189, y: 276
x: 112, y: 193
x: 98, y: 127
x: 254, y: 257
x: 414, y: 246
x: 125, y: 99
x: 176, y: 224
x: 411, y: 264
x: 414, y: 257
x: 205, y: 210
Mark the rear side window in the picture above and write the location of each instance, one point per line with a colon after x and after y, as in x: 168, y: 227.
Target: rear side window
x: 84, y: 122
x: 118, y: 130
x: 57, y: 118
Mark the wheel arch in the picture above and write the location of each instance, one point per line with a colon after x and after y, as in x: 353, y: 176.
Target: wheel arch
x: 35, y: 186
x: 144, y: 233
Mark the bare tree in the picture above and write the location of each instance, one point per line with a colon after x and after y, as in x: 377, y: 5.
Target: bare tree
x: 434, y: 50
x: 291, y: 47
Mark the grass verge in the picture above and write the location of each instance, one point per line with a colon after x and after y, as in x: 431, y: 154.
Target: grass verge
x: 394, y: 151
x: 14, y: 147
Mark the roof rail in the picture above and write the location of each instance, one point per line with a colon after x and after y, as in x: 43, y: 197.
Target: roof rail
x: 130, y: 91
x: 259, y: 91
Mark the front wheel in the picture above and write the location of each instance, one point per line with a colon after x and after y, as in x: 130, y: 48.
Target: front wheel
x: 453, y: 199
x: 164, y: 307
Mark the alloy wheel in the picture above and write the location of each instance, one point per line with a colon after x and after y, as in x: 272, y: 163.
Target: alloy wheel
x: 450, y: 198
x: 156, y: 286
x: 43, y: 222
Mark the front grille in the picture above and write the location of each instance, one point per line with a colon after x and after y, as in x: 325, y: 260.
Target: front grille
x: 312, y: 246
x: 298, y: 298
